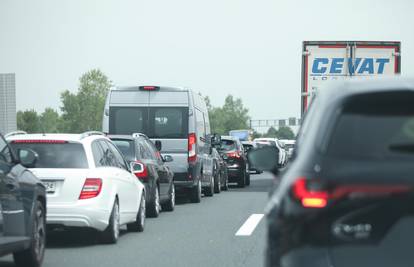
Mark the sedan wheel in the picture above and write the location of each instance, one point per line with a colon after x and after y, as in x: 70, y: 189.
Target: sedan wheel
x: 111, y: 233
x: 154, y: 207
x: 33, y: 256
x: 138, y: 225
x: 169, y: 206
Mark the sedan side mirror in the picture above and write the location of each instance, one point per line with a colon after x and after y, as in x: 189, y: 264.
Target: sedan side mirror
x: 158, y: 145
x: 264, y: 159
x: 27, y: 157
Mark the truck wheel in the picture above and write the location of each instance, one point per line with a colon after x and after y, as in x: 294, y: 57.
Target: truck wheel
x: 195, y: 193
x: 33, y: 256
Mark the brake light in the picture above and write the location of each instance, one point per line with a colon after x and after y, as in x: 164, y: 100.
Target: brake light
x: 91, y: 188
x: 140, y: 170
x: 192, y: 141
x: 309, y: 198
x: 39, y: 142
x: 149, y: 88
x: 233, y: 155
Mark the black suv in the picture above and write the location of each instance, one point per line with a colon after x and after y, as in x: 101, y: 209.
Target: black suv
x: 148, y: 166
x: 22, y: 207
x: 233, y: 153
x: 347, y: 197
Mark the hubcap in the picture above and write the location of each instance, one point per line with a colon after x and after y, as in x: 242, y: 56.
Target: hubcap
x: 39, y: 234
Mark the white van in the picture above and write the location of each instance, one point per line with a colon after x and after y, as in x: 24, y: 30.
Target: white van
x: 178, y: 118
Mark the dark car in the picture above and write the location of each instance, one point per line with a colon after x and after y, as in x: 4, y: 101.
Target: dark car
x: 221, y: 181
x: 22, y: 208
x: 249, y: 145
x: 148, y: 165
x: 233, y: 153
x: 347, y: 198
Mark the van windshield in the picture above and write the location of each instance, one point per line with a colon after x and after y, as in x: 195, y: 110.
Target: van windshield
x: 155, y: 122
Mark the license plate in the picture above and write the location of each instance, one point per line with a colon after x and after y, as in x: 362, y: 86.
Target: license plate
x: 50, y: 186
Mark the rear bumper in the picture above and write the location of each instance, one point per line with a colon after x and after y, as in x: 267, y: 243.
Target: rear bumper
x: 76, y: 215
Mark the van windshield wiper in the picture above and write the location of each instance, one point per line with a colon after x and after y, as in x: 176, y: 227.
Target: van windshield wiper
x: 403, y: 147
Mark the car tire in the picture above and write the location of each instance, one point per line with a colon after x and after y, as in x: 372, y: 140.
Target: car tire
x: 242, y: 180
x: 226, y: 181
x: 33, y: 256
x: 248, y: 178
x: 209, y: 191
x: 111, y: 234
x: 153, y: 209
x: 138, y: 225
x: 217, y: 184
x: 169, y: 206
x: 195, y: 193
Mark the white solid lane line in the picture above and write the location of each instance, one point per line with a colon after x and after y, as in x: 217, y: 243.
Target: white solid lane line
x: 251, y: 223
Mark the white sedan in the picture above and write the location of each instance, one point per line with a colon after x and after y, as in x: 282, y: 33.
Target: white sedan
x: 89, y: 184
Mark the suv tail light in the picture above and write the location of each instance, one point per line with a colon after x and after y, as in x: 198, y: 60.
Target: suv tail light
x: 311, y: 193
x: 192, y: 141
x: 140, y: 170
x: 233, y: 155
x: 91, y: 188
x: 309, y: 198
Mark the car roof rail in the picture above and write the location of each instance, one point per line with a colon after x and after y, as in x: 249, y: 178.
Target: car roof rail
x: 90, y: 133
x: 14, y: 133
x: 135, y: 135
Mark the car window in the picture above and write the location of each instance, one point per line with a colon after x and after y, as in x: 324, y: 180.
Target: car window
x: 5, y: 152
x: 109, y: 156
x: 387, y: 133
x: 127, y: 148
x: 98, y: 154
x: 63, y: 155
x: 128, y: 120
x: 201, y: 130
x: 145, y: 154
x: 168, y: 122
x: 227, y: 145
x: 120, y: 161
x: 152, y: 150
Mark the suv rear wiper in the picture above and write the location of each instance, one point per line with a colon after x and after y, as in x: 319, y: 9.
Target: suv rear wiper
x: 403, y: 147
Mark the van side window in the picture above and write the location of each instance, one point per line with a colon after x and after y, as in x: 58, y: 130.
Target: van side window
x: 201, y: 130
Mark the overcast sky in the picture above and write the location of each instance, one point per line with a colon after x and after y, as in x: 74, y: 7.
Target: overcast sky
x: 248, y: 48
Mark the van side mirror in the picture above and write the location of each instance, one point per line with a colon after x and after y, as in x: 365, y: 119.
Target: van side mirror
x: 264, y: 159
x: 158, y: 145
x: 27, y: 157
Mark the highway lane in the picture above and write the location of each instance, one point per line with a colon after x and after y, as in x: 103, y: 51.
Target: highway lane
x: 193, y: 235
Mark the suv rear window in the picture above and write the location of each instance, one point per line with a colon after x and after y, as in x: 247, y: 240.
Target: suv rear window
x: 227, y: 145
x: 126, y: 147
x: 57, y: 155
x: 375, y: 126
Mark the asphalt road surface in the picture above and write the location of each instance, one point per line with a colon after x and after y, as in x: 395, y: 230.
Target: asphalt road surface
x: 193, y: 235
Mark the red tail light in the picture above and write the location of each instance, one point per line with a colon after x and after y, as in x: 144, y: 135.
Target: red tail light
x: 91, y: 188
x: 140, y: 170
x: 192, y: 141
x: 309, y: 198
x: 233, y: 155
x: 149, y: 88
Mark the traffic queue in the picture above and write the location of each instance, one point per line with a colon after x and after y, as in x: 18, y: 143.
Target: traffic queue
x: 156, y: 142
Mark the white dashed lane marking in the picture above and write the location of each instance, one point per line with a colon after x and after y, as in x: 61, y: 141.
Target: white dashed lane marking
x: 249, y: 225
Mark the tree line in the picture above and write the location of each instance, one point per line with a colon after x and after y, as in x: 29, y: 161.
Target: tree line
x: 82, y: 111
